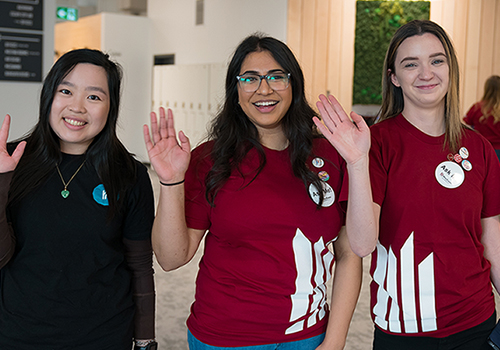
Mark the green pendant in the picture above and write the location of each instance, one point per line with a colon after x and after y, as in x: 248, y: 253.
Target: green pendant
x: 65, y: 193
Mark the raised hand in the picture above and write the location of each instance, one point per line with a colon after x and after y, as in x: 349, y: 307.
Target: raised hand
x: 8, y: 162
x: 169, y: 158
x: 351, y: 138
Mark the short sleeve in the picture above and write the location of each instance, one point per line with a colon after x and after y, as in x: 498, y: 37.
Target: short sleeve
x: 196, y: 205
x: 139, y: 215
x: 378, y: 173
x: 491, y: 186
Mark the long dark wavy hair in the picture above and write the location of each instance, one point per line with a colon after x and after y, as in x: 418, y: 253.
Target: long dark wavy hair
x: 392, y: 96
x: 113, y: 163
x: 234, y: 135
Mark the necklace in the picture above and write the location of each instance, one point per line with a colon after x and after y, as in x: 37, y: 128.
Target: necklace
x: 65, y: 192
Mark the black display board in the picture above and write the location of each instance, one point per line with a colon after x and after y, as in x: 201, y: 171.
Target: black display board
x: 21, y: 14
x: 21, y: 39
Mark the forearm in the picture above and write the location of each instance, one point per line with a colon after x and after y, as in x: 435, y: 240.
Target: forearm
x: 345, y: 292
x: 361, y: 220
x: 139, y: 257
x: 491, y: 242
x: 172, y: 243
x: 7, y: 238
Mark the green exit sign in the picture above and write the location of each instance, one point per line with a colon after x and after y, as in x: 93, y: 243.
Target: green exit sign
x: 67, y: 13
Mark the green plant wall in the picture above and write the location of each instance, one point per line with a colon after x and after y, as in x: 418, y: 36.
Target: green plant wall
x: 376, y: 22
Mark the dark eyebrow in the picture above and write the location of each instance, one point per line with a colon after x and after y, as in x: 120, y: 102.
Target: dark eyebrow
x: 88, y: 88
x: 96, y: 88
x: 416, y: 58
x: 269, y: 72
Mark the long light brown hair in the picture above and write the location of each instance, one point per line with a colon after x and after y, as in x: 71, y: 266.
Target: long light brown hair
x: 392, y: 96
x: 491, y: 99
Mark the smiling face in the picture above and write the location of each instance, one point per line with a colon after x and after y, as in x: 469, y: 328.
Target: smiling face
x: 422, y: 72
x: 265, y: 108
x: 80, y: 107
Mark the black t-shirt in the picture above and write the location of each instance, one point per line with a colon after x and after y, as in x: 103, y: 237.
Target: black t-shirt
x: 68, y: 285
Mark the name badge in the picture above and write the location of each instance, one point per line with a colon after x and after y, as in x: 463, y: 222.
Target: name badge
x: 328, y: 194
x: 449, y: 174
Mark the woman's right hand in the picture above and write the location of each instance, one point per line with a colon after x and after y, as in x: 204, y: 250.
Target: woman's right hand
x: 9, y: 162
x: 351, y: 138
x: 169, y: 158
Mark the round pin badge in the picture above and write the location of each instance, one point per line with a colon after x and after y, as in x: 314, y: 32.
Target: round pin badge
x: 464, y: 152
x: 328, y: 194
x: 457, y: 158
x: 449, y: 174
x: 323, y: 175
x: 100, y: 195
x: 467, y: 165
x: 318, y: 162
x: 449, y: 156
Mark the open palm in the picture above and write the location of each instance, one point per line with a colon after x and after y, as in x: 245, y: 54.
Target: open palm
x: 351, y: 138
x: 8, y: 162
x: 169, y: 157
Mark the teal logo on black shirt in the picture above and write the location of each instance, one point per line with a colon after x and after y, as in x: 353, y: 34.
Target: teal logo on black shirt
x: 100, y: 195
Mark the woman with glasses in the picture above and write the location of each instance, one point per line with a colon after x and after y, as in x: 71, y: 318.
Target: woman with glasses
x: 436, y: 192
x: 267, y: 189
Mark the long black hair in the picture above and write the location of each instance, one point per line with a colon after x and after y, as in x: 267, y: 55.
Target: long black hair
x: 234, y: 134
x: 113, y: 163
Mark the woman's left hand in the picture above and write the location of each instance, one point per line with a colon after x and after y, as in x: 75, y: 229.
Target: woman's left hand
x: 324, y: 346
x: 351, y: 138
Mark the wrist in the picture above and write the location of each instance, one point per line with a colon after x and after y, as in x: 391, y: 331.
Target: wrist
x: 145, y: 344
x: 361, y: 165
x: 174, y: 183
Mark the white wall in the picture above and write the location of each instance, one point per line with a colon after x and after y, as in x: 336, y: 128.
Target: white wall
x: 20, y: 99
x: 173, y: 30
x: 127, y: 39
x: 194, y: 87
x: 227, y: 22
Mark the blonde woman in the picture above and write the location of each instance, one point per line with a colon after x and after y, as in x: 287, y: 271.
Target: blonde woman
x: 484, y: 116
x: 436, y: 194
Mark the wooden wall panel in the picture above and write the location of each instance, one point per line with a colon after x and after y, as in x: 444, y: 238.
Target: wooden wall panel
x: 496, y: 35
x: 307, y: 43
x: 470, y: 65
x: 459, y: 35
x: 85, y: 33
x: 486, y: 45
x: 346, y: 72
x: 437, y: 9
x: 473, y: 26
x: 333, y: 84
x: 320, y: 58
x: 324, y: 45
x: 294, y: 26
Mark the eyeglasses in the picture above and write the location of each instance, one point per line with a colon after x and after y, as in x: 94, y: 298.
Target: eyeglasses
x: 251, y: 82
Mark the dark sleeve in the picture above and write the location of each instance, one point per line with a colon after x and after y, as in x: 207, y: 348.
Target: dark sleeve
x: 139, y: 255
x: 7, y: 239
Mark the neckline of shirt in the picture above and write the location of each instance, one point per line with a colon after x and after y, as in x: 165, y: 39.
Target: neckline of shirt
x: 419, y: 134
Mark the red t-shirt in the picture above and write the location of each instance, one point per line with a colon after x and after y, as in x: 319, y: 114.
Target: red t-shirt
x: 486, y: 127
x: 430, y: 277
x: 263, y: 273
